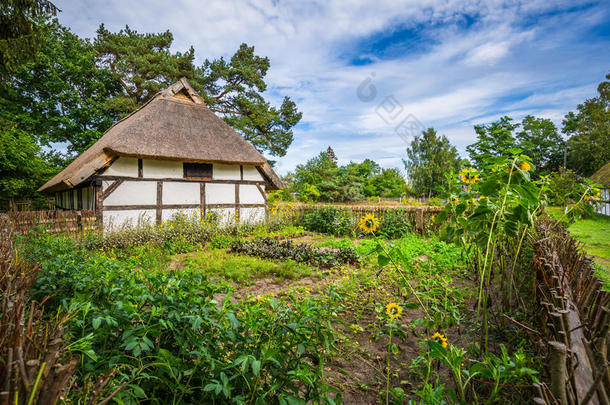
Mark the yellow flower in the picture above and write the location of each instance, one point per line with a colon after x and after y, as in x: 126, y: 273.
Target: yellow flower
x: 526, y: 167
x: 587, y: 198
x: 469, y: 176
x: 440, y: 338
x: 482, y: 197
x: 369, y: 223
x: 393, y: 310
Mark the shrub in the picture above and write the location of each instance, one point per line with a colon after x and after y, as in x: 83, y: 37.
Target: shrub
x: 395, y: 223
x: 435, y: 202
x: 165, y: 337
x: 332, y: 220
x: 180, y: 232
x: 275, y: 248
x: 564, y: 188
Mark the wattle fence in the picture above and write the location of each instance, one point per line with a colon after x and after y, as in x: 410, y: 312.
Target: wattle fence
x: 417, y: 214
x: 53, y: 221
x: 574, y: 312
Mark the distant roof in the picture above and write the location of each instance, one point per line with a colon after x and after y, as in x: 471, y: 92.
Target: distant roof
x: 174, y: 125
x: 602, y: 176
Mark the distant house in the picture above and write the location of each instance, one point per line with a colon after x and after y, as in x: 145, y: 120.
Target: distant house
x: 602, y: 176
x: 172, y: 154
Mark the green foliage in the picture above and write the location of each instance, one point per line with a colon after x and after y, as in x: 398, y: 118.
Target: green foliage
x: 321, y: 179
x: 234, y: 90
x: 589, y: 131
x: 395, y: 224
x: 180, y: 230
x: 242, y: 268
x: 493, y: 140
x: 60, y: 96
x: 389, y: 183
x: 564, y: 188
x: 428, y: 157
x: 491, y: 212
x: 544, y: 145
x: 21, y: 31
x: 278, y: 249
x: 22, y: 168
x: 143, y: 64
x: 332, y: 220
x: 167, y: 339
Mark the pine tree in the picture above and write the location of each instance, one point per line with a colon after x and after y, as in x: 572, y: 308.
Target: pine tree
x: 331, y: 153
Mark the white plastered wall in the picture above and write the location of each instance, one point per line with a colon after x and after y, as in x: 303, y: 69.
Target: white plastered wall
x: 136, y: 192
x: 162, y: 169
x: 144, y: 192
x: 226, y: 172
x: 219, y: 193
x: 119, y: 219
x: 123, y: 166
x: 250, y: 194
x: 175, y: 192
x: 252, y: 215
x: 252, y: 173
x: 225, y: 215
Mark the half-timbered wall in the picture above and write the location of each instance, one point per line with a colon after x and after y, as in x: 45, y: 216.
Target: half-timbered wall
x: 76, y: 199
x: 132, y: 191
x: 603, y: 205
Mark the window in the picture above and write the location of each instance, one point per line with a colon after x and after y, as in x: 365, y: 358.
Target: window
x: 198, y: 170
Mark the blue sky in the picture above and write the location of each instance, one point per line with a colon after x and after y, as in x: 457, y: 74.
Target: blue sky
x: 367, y: 75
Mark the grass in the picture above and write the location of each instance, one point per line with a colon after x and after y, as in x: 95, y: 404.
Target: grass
x: 244, y: 269
x: 595, y: 234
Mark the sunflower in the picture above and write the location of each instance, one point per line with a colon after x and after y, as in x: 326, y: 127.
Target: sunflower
x: 469, y: 176
x: 440, y: 338
x: 394, y: 310
x: 369, y: 223
x: 526, y: 167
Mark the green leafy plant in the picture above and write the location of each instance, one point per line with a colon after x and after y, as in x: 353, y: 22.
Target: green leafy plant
x: 332, y: 220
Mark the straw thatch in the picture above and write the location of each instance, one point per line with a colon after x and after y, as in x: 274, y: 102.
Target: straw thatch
x: 174, y: 125
x: 602, y: 176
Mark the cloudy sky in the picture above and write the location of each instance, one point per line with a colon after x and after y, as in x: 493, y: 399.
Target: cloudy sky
x: 367, y: 75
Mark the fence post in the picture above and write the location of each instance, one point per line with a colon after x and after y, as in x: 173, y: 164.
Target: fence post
x: 558, y: 371
x: 419, y: 219
x: 79, y: 221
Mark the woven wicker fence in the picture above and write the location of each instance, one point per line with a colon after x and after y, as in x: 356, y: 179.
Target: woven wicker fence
x: 416, y: 214
x: 53, y: 221
x: 574, y: 313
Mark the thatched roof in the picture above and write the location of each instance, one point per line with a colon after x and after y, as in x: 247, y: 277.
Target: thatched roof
x: 602, y: 176
x: 174, y: 125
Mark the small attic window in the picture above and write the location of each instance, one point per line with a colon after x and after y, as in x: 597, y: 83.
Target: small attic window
x: 198, y: 170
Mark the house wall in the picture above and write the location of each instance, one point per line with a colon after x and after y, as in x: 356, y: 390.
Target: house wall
x: 603, y: 206
x: 82, y: 198
x: 133, y: 191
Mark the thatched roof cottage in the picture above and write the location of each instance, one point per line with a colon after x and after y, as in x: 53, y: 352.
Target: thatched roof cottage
x: 602, y: 176
x: 172, y: 154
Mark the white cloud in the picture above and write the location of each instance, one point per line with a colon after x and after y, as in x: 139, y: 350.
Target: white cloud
x: 510, y: 58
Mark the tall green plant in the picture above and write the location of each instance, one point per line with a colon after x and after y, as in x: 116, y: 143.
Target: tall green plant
x: 490, y: 212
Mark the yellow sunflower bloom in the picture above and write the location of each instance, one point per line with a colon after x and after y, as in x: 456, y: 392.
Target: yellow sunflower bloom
x: 526, y: 167
x: 369, y: 223
x: 393, y: 310
x: 440, y: 338
x: 469, y: 176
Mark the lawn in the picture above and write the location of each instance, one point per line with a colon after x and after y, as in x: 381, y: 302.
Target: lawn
x: 595, y: 234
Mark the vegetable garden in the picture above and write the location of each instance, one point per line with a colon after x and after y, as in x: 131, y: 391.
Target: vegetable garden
x: 324, y: 307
